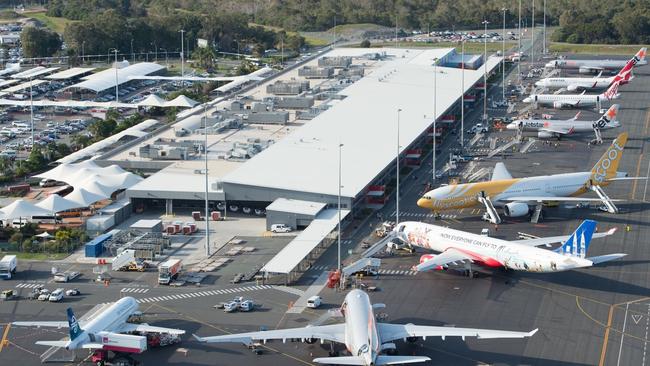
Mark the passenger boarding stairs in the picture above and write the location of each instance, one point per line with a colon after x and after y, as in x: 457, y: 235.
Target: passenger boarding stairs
x: 611, y: 208
x: 123, y: 259
x: 491, y: 212
x: 361, y: 264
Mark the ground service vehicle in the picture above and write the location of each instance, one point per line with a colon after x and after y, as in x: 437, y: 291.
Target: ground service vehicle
x: 168, y: 271
x: 314, y: 302
x: 281, y: 228
x: 56, y: 295
x: 8, y: 266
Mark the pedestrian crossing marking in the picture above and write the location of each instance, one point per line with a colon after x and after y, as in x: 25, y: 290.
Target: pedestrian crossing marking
x: 29, y: 285
x: 205, y: 293
x: 424, y: 214
x: 135, y: 290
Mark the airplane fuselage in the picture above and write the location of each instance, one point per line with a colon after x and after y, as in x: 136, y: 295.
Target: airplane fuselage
x: 574, y: 100
x: 361, y: 335
x: 111, y: 318
x: 456, y: 196
x: 489, y: 251
x: 580, y: 83
x: 535, y: 125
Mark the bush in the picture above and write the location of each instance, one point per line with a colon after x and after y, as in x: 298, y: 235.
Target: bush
x: 365, y: 44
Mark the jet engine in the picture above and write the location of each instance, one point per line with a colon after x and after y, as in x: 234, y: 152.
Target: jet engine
x: 515, y: 209
x: 545, y: 135
x: 586, y: 70
x: 573, y: 87
x: 310, y: 340
x: 428, y: 257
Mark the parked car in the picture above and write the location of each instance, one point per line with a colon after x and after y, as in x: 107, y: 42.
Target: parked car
x: 281, y: 228
x: 72, y: 292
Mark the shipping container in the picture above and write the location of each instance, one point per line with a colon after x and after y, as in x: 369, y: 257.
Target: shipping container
x: 95, y: 247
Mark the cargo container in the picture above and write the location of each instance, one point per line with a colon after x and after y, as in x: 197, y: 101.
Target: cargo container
x: 127, y: 343
x: 95, y: 247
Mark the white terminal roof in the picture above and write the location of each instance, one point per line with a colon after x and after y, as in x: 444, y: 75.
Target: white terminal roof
x: 24, y: 85
x: 365, y: 123
x: 296, y: 206
x: 4, y: 83
x: 294, y: 252
x: 106, y: 79
x: 70, y: 73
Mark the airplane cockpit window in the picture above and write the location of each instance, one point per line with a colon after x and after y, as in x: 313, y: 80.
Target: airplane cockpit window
x: 401, y: 228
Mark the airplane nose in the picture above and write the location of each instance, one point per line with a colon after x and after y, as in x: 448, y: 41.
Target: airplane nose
x: 539, y: 83
x: 424, y: 202
x: 527, y: 100
x: 512, y: 125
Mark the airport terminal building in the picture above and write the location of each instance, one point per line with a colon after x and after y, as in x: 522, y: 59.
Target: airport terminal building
x: 362, y: 117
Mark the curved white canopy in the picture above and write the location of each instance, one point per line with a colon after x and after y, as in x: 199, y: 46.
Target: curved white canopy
x: 55, y: 203
x: 22, y: 208
x: 84, y: 197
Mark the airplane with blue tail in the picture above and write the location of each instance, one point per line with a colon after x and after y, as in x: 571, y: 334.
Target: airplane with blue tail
x: 459, y: 247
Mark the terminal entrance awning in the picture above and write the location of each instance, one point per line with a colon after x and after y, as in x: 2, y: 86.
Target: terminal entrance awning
x: 300, y: 247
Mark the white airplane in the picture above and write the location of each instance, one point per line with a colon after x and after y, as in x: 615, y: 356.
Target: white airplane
x: 364, y: 338
x: 550, y: 128
x: 576, y: 84
x: 574, y: 100
x: 457, y: 246
x: 594, y: 66
x: 516, y: 195
x: 106, y: 329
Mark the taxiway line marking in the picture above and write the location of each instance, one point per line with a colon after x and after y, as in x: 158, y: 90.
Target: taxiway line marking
x: 264, y: 345
x: 4, y: 336
x: 647, y: 122
x: 620, y: 347
x: 603, y: 350
x: 645, y: 344
x: 638, y: 169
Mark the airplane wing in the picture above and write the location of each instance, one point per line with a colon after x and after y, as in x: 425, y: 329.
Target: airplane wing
x: 551, y: 199
x: 335, y: 333
x: 390, y: 332
x: 130, y: 327
x: 500, y: 172
x: 450, y: 255
x: 558, y: 239
x: 48, y: 324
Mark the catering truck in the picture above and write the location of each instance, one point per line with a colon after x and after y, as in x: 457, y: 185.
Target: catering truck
x: 8, y: 266
x: 168, y: 271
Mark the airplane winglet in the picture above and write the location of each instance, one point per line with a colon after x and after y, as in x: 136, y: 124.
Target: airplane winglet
x: 200, y: 339
x: 532, y: 332
x: 611, y: 231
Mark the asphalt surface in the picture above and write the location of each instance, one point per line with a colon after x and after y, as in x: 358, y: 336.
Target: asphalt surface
x: 596, y: 316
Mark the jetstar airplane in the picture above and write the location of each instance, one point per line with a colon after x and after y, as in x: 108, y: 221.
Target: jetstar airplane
x: 577, y: 84
x: 550, y: 128
x: 516, y: 195
x: 594, y: 66
x: 364, y: 338
x: 104, y: 329
x: 574, y: 100
x: 457, y: 246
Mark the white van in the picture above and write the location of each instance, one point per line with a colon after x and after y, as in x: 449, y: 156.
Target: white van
x: 280, y: 228
x: 56, y: 295
x: 314, y: 302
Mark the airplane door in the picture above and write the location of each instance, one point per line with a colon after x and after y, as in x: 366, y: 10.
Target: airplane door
x: 547, y: 188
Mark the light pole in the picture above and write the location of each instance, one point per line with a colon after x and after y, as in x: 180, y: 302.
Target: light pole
x: 462, y: 96
x: 519, y: 45
x: 544, y: 31
x: 182, y: 56
x: 485, y: 23
x: 155, y: 49
x: 435, y: 114
x: 339, y: 207
x: 532, y: 39
x: 503, y: 56
x: 117, y: 96
x: 83, y: 51
x: 132, y: 54
x: 397, y: 162
x: 31, y: 109
x: 207, y: 209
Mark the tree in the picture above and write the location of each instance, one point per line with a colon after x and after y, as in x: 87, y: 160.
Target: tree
x: 365, y: 43
x: 39, y: 42
x: 102, y: 128
x: 205, y: 57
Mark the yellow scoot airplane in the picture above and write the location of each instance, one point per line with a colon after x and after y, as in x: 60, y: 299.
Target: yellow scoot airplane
x: 517, y: 195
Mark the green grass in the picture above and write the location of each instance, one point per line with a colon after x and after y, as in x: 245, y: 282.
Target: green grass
x: 350, y: 28
x: 39, y: 256
x: 596, y: 49
x: 56, y: 24
x: 313, y: 41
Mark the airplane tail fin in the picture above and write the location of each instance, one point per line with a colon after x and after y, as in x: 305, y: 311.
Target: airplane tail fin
x: 75, y: 330
x: 612, y: 91
x: 578, y: 243
x: 639, y: 58
x: 607, y: 165
x: 607, y: 117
